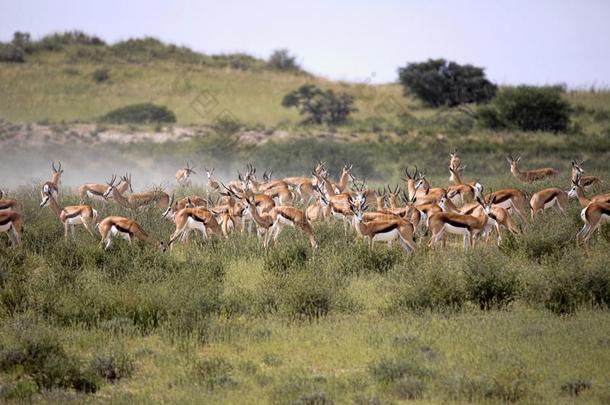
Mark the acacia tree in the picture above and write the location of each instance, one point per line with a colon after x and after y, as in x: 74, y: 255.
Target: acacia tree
x: 281, y: 59
x: 320, y: 106
x: 438, y: 82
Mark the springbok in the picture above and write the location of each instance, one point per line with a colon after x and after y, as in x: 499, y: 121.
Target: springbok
x: 529, y: 176
x: 192, y: 201
x: 593, y: 216
x: 11, y: 222
x: 125, y: 228
x: 467, y: 225
x: 9, y: 204
x: 53, y: 185
x: 197, y: 219
x: 72, y: 215
x: 547, y: 198
x: 577, y: 191
x: 183, y: 176
x: 96, y: 191
x: 156, y: 198
x: 386, y: 229
x: 578, y: 173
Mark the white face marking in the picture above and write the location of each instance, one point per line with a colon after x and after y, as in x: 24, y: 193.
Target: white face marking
x: 572, y: 192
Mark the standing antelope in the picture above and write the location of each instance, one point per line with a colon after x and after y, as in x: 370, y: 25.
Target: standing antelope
x: 462, y: 193
x: 212, y: 184
x: 192, y: 201
x: 156, y: 198
x: 53, y: 185
x: 11, y: 222
x: 511, y: 199
x: 197, y: 219
x: 125, y: 228
x: 467, y: 225
x: 9, y: 204
x: 547, y: 198
x: 578, y: 173
x: 385, y: 229
x: 577, y: 191
x: 593, y: 216
x: 454, y: 161
x: 97, y: 192
x: 183, y: 176
x: 529, y: 176
x: 498, y: 217
x: 72, y: 215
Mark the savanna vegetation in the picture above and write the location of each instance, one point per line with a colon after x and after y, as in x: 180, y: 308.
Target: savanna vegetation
x: 223, y: 321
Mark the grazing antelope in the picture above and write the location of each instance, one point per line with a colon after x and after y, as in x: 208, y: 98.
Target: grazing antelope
x: 53, y: 185
x: 577, y: 191
x: 578, y: 173
x: 124, y: 228
x: 96, y: 191
x: 9, y: 204
x: 11, y: 222
x: 467, y: 225
x: 547, y: 198
x: 192, y: 201
x: 386, y: 229
x: 195, y: 219
x: 156, y: 198
x: 72, y: 215
x: 529, y: 176
x: 183, y: 176
x: 593, y: 216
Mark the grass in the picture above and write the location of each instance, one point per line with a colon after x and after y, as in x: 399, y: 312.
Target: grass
x: 222, y: 321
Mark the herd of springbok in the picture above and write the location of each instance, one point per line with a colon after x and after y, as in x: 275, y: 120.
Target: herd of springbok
x: 462, y: 208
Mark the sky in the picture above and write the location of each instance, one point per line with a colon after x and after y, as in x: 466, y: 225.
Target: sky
x: 517, y: 41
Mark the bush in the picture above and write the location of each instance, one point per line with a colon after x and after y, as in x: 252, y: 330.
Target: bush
x: 11, y: 53
x: 438, y: 82
x: 281, y: 59
x: 144, y: 113
x: 489, y: 282
x: 575, y: 387
x: 215, y: 372
x: 112, y: 368
x: 320, y: 106
x: 527, y: 108
x: 226, y: 125
x: 101, y: 75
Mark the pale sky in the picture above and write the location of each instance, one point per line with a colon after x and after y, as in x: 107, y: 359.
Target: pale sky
x: 517, y: 41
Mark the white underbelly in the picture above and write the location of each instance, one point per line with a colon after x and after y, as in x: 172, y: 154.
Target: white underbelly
x: 77, y: 220
x: 285, y: 221
x: 458, y: 230
x: 115, y: 232
x: 193, y: 224
x: 6, y: 226
x: 94, y: 196
x: 5, y: 209
x: 386, y: 236
x: 507, y: 204
x: 550, y: 203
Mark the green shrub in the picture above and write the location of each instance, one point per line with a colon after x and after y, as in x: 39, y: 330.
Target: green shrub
x: 113, y: 367
x: 527, y: 108
x: 432, y: 284
x: 409, y: 388
x: 37, y: 353
x: 489, y: 282
x: 438, y: 82
x: 101, y: 75
x: 226, y: 125
x: 11, y: 53
x: 387, y: 371
x: 320, y: 106
x: 145, y: 113
x: 575, y: 387
x: 281, y: 59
